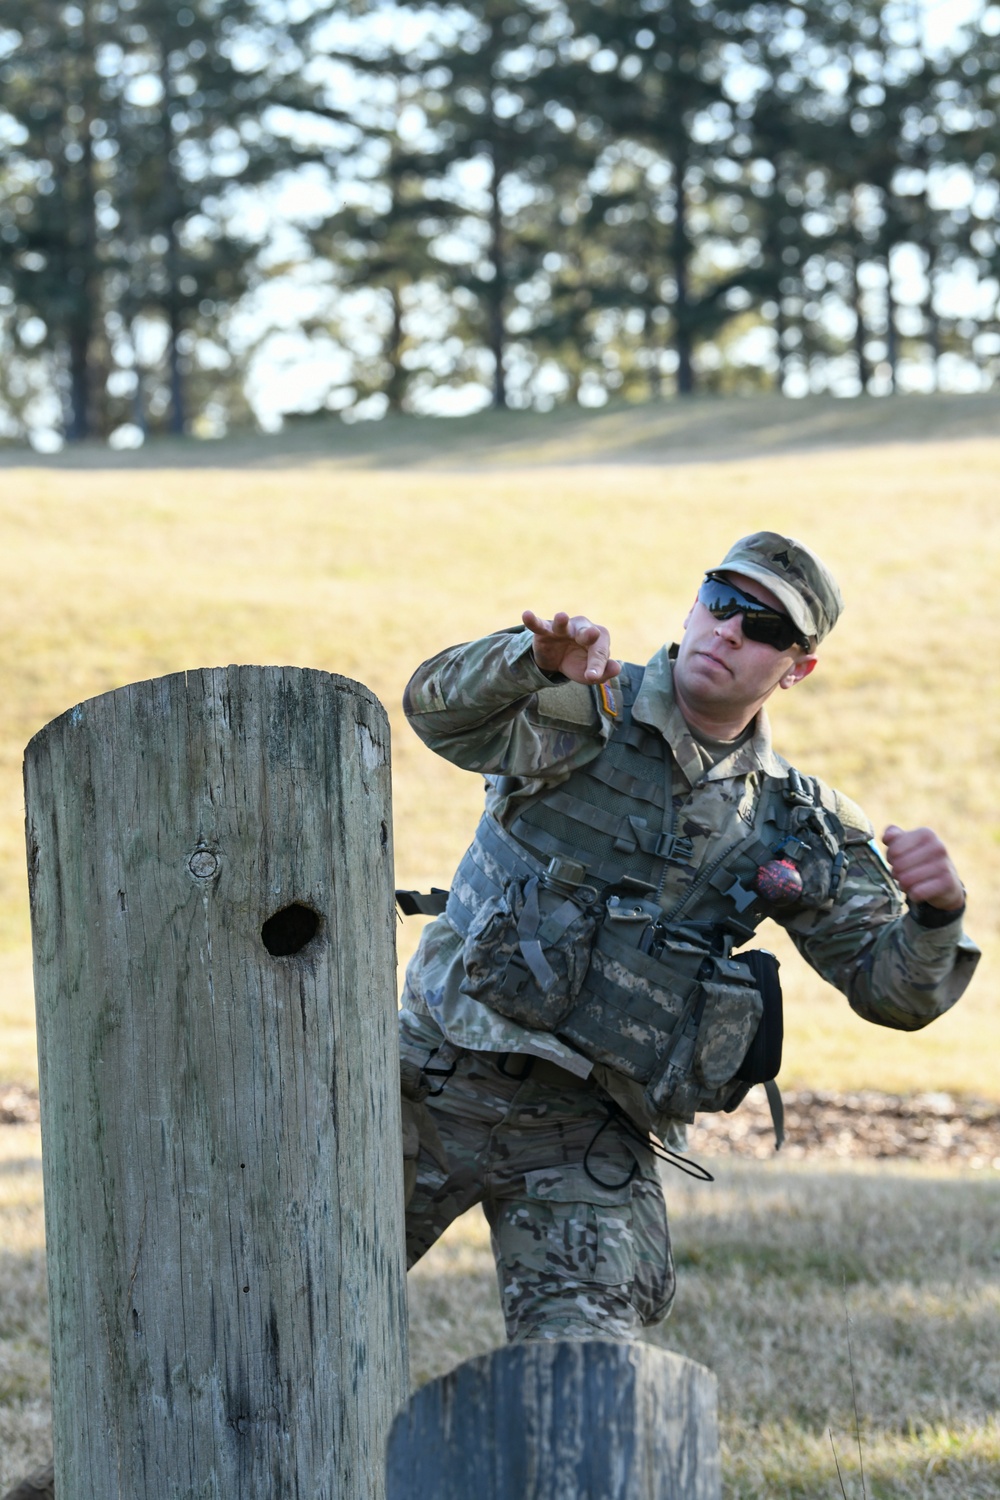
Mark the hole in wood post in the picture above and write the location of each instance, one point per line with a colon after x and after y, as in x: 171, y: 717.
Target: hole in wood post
x: 289, y: 929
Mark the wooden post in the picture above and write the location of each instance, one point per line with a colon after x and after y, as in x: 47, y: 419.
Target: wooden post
x: 561, y: 1420
x: 210, y: 865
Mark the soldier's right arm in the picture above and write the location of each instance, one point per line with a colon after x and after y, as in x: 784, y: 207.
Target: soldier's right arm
x: 487, y: 706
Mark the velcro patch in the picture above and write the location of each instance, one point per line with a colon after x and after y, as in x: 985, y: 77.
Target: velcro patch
x: 569, y: 703
x: 852, y: 816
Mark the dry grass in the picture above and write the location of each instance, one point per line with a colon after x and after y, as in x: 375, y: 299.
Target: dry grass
x: 25, y: 1422
x: 114, y: 572
x: 111, y: 575
x: 772, y: 1263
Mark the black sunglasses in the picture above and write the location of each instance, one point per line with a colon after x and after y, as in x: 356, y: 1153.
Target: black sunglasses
x: 771, y: 627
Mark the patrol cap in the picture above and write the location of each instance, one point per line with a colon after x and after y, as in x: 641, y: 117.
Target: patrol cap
x: 795, y: 576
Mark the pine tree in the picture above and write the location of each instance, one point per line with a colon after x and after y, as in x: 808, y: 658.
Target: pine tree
x: 52, y: 242
x: 381, y: 240
x: 654, y: 74
x: 133, y: 122
x: 192, y: 129
x: 482, y: 83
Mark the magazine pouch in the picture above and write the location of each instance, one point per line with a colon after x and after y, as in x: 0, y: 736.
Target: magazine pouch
x: 639, y: 986
x: 701, y: 1067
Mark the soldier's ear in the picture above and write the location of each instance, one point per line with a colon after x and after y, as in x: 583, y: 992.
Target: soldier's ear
x: 798, y: 671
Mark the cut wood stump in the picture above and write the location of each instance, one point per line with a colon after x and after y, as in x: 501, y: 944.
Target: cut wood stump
x: 561, y: 1420
x: 211, y: 883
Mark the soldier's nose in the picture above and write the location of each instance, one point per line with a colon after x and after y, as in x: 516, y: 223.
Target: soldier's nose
x: 731, y: 629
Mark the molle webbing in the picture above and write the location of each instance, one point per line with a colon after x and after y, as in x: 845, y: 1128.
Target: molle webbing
x: 611, y: 819
x: 492, y: 860
x: 612, y: 814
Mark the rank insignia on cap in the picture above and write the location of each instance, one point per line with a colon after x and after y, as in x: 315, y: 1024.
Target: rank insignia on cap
x: 782, y: 558
x: 608, y: 699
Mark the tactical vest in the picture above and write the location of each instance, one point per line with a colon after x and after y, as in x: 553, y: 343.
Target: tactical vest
x: 587, y: 917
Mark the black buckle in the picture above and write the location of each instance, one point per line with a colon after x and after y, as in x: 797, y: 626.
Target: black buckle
x: 796, y: 792
x: 674, y: 849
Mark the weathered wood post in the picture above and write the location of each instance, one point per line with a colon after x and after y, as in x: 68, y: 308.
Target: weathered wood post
x: 211, y: 887
x: 561, y: 1420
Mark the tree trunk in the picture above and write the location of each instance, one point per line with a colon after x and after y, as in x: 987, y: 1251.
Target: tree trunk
x: 932, y: 322
x: 396, y: 386
x: 498, y: 292
x: 80, y: 425
x: 682, y: 309
x: 561, y: 1420
x: 177, y: 424
x: 860, y: 330
x: 177, y: 418
x: 780, y: 329
x: 210, y: 871
x: 82, y: 269
x: 891, y: 328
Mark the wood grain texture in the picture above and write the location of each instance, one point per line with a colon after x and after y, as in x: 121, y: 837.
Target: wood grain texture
x: 561, y: 1420
x: 220, y: 1126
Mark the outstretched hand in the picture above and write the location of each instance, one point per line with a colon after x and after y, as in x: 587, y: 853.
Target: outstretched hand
x: 923, y: 868
x: 572, y: 645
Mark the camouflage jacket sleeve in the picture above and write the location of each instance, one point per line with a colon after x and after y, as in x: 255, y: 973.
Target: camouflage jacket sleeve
x: 893, y: 971
x: 487, y: 707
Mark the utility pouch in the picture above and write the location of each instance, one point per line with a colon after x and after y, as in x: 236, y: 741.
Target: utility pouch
x: 527, y: 951
x: 762, y: 1062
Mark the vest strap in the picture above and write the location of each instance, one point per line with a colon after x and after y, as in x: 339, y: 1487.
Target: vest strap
x: 422, y: 903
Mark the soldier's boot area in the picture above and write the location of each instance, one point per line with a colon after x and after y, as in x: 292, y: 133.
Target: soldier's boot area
x: 38, y: 1486
x: 574, y: 1203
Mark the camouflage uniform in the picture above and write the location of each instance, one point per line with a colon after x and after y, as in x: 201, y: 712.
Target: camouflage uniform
x: 558, y: 1239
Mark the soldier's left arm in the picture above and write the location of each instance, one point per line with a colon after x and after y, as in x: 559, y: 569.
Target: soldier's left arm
x: 899, y: 966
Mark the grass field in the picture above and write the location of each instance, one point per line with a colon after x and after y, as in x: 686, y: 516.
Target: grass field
x: 327, y: 556
x: 772, y: 1263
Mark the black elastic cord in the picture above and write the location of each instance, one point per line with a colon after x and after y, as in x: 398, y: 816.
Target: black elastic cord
x: 612, y: 1186
x: 684, y: 1164
x: 529, y: 1063
x: 443, y: 1073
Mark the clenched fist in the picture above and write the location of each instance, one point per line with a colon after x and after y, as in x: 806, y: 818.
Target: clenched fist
x: 922, y: 867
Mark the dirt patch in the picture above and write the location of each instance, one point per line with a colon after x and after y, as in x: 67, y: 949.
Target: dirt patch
x: 919, y: 1127
x: 18, y: 1106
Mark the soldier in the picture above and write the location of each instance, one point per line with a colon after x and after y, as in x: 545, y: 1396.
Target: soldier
x: 580, y: 989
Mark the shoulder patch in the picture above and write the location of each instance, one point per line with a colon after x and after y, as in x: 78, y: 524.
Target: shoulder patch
x: 568, y: 703
x: 609, y: 696
x: 852, y: 817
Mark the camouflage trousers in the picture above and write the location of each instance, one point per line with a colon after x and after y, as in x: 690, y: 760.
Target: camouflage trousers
x: 574, y: 1202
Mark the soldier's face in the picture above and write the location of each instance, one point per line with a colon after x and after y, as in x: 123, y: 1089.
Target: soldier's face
x: 718, y: 670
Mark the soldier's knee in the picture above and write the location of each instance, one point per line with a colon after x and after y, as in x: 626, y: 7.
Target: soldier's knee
x: 577, y: 1260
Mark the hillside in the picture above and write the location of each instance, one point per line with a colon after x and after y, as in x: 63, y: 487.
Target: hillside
x: 702, y: 430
